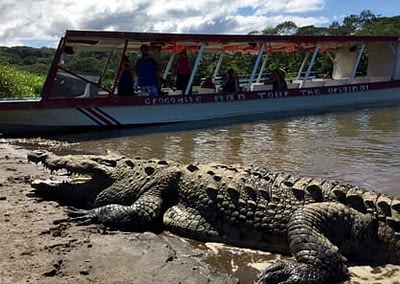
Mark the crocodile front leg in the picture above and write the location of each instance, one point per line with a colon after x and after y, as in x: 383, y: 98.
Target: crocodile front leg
x: 144, y: 213
x: 319, y: 236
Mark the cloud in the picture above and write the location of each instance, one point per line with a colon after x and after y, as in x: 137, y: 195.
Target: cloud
x: 35, y: 21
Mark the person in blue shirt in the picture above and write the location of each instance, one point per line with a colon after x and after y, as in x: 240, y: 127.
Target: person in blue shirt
x: 147, y: 70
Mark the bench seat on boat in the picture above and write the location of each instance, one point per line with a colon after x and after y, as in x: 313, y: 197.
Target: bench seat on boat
x: 314, y: 83
x: 260, y: 87
x: 207, y: 90
x: 172, y: 92
x: 293, y: 85
x: 373, y: 79
x: 335, y: 82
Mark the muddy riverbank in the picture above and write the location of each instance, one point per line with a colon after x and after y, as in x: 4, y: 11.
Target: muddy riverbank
x: 35, y: 248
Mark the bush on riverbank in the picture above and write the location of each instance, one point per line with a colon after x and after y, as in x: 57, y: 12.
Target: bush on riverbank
x: 15, y: 83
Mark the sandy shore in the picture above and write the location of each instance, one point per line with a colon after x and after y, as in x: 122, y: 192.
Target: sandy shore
x: 34, y: 248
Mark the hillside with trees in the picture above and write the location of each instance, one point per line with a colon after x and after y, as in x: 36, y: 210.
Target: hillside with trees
x: 29, y: 66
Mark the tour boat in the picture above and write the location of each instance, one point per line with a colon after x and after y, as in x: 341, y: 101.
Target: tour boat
x: 76, y: 99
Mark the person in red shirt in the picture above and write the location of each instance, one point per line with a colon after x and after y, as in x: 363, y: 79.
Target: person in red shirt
x: 183, y: 71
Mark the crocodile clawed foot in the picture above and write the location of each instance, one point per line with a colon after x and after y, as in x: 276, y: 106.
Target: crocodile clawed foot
x: 81, y: 216
x: 276, y: 273
x: 288, y: 271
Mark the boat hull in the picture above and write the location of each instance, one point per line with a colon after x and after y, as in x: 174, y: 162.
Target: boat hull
x: 37, y: 116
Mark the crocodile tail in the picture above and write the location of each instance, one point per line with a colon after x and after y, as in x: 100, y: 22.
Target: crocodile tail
x: 306, y: 189
x: 386, y: 208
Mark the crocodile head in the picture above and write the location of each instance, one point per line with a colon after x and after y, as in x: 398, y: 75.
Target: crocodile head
x: 92, y: 181
x: 75, y: 179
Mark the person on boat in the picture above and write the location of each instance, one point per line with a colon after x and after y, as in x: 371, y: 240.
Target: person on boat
x: 231, y: 82
x: 183, y: 71
x: 208, y: 83
x: 327, y: 75
x: 125, y: 81
x: 277, y: 79
x: 147, y: 69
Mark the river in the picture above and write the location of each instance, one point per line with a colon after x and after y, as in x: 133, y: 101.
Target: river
x: 359, y: 147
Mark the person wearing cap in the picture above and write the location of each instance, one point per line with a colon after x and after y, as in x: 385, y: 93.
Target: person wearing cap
x: 147, y: 69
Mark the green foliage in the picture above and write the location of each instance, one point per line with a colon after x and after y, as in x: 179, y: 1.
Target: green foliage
x: 355, y: 23
x: 364, y: 24
x: 22, y: 69
x: 36, y: 60
x: 381, y: 26
x: 19, y: 84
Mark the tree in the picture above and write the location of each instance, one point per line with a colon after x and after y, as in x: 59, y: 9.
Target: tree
x: 381, y: 26
x: 354, y: 23
x: 285, y: 28
x: 312, y: 30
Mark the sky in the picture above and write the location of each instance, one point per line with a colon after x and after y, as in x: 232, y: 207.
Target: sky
x: 39, y: 23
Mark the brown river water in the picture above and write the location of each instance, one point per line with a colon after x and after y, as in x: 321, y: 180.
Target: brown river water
x: 359, y: 147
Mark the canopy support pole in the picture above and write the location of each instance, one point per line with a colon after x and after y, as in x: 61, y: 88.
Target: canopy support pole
x: 355, y: 67
x: 303, y: 64
x: 256, y: 64
x: 218, y: 67
x: 195, y: 67
x: 310, y: 66
x: 119, y: 68
x: 169, y: 65
x: 262, y: 67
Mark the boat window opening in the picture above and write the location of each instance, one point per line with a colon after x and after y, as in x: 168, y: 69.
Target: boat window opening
x: 96, y: 65
x: 70, y: 85
x: 382, y: 62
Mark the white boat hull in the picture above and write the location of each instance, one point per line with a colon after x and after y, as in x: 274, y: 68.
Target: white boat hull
x: 170, y: 110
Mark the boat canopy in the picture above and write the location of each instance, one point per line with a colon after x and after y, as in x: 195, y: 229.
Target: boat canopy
x: 175, y: 42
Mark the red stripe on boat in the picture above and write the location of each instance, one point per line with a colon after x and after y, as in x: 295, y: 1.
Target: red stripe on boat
x: 100, y: 116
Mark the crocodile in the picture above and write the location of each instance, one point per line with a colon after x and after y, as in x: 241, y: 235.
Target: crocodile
x: 323, y: 224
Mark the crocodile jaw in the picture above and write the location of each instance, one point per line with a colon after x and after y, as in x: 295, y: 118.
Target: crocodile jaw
x: 75, y: 164
x: 73, y: 178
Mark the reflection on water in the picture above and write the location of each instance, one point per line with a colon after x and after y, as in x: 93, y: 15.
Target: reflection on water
x: 360, y: 147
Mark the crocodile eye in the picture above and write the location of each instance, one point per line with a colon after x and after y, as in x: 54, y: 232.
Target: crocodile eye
x: 130, y: 164
x: 192, y: 168
x: 149, y: 170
